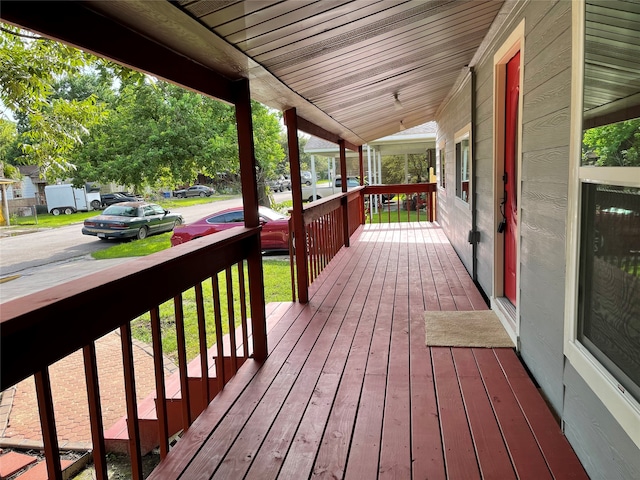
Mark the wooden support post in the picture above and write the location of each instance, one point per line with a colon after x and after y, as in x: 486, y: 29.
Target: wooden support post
x: 345, y: 203
x: 95, y: 411
x: 300, y: 246
x: 48, y: 423
x: 361, y: 164
x: 251, y: 217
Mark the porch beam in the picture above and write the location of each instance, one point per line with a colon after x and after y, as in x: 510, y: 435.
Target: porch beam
x: 291, y: 121
x: 312, y: 129
x: 77, y: 25
x: 248, y: 169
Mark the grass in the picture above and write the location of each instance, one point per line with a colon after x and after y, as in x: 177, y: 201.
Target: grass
x: 383, y: 216
x: 135, y: 248
x: 277, y: 284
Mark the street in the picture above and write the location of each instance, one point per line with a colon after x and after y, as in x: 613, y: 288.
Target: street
x: 34, y: 261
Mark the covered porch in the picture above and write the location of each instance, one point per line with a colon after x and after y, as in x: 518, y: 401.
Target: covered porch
x: 350, y: 390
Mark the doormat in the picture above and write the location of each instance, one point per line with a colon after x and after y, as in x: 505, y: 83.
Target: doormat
x: 475, y: 328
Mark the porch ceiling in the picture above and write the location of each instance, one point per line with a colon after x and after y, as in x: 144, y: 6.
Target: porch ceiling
x: 340, y: 63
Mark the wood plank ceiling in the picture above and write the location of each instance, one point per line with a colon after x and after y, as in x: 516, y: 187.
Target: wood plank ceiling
x: 340, y: 63
x: 350, y: 58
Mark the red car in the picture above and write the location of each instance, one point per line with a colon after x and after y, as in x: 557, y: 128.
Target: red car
x: 274, y: 235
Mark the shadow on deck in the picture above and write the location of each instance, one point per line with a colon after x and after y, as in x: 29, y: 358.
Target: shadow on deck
x: 350, y: 390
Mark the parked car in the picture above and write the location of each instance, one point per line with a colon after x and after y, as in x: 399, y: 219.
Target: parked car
x: 285, y: 183
x: 131, y: 220
x: 274, y: 235
x: 275, y: 185
x: 306, y: 177
x: 117, y: 197
x: 194, y: 191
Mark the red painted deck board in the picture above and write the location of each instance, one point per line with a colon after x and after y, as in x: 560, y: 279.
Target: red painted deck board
x: 351, y: 391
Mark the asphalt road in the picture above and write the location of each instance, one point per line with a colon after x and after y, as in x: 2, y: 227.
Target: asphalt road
x: 34, y: 261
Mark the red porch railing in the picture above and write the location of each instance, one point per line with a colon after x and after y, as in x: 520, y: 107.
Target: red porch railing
x: 330, y: 222
x: 40, y: 329
x: 394, y: 203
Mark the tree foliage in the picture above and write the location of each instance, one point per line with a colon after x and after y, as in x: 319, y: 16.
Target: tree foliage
x: 617, y: 144
x: 51, y: 127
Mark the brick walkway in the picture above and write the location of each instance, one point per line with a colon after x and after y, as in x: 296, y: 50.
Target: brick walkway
x: 19, y: 420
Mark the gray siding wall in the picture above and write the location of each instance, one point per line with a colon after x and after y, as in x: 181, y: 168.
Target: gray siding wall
x: 603, y: 447
x: 605, y: 450
x: 454, y: 214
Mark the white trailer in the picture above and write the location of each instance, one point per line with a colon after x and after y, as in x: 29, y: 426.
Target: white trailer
x: 68, y: 199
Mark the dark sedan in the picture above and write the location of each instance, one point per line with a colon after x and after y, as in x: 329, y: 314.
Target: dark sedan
x: 117, y: 197
x: 274, y: 234
x: 131, y: 220
x: 194, y: 191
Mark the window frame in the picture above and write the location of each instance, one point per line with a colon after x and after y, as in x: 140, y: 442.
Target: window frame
x: 461, y: 135
x: 442, y: 161
x: 619, y: 402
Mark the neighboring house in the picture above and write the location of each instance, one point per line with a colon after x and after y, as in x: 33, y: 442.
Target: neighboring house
x: 26, y: 193
x: 524, y: 215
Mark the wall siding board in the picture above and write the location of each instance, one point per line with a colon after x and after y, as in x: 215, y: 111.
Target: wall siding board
x: 602, y: 446
x: 548, y: 98
x: 549, y: 63
x: 546, y: 166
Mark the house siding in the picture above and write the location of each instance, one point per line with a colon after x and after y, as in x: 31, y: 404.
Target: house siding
x: 601, y: 444
x: 454, y: 214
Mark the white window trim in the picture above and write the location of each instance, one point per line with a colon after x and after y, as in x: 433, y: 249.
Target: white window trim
x: 622, y: 406
x: 442, y: 145
x: 462, y: 134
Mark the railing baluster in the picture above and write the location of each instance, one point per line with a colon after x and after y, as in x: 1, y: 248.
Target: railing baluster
x: 232, y: 322
x: 182, y: 362
x: 158, y: 366
x: 132, y: 404
x: 202, y: 337
x: 95, y: 411
x: 48, y: 423
x: 220, y: 372
x: 243, y: 311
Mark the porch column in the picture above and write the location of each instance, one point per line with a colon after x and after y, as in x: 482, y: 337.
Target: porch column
x: 251, y: 218
x: 345, y: 205
x: 291, y: 121
x: 406, y: 168
x: 361, y: 163
x: 313, y: 176
x: 5, y: 204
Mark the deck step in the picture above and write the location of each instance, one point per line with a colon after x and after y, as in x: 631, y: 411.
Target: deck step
x: 117, y: 435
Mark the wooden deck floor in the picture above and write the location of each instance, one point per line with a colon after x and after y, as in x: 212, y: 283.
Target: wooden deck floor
x: 351, y: 391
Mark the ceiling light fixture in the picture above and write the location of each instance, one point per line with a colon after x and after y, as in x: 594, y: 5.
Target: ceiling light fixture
x: 402, y: 127
x: 396, y: 102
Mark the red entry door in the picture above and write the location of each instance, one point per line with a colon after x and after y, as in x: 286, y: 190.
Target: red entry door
x: 511, y: 177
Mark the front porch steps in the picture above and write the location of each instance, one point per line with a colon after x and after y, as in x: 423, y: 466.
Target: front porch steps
x: 117, y: 436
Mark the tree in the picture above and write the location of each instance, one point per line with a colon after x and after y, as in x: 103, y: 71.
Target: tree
x: 617, y: 144
x: 49, y: 127
x: 393, y: 168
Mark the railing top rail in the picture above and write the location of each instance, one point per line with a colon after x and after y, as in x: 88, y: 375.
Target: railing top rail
x: 46, y: 326
x: 400, y: 188
x: 313, y: 211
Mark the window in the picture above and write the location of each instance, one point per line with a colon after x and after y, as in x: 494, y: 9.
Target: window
x: 609, y: 298
x: 442, y: 178
x: 602, y: 335
x: 463, y: 165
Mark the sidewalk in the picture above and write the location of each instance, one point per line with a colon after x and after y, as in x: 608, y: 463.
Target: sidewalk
x: 19, y: 419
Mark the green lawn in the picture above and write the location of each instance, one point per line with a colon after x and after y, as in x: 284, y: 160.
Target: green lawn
x: 277, y: 284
